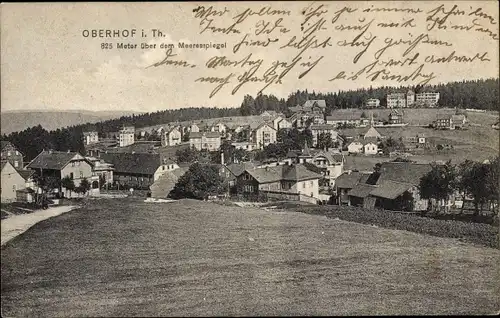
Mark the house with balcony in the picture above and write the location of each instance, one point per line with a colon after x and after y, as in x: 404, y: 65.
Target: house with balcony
x: 137, y: 170
x: 61, y: 164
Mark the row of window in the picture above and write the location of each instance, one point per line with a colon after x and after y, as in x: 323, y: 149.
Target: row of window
x: 9, y: 153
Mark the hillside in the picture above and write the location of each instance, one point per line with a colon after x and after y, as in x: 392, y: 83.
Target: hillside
x: 19, y: 120
x: 193, y: 258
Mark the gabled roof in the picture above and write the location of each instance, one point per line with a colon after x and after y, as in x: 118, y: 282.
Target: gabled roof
x: 315, y: 102
x: 372, y: 132
x: 443, y: 116
x: 388, y: 189
x: 136, y: 163
x: 265, y: 124
x: 26, y: 174
x: 406, y: 172
x: 297, y: 172
x: 238, y: 168
x: 349, y: 180
x: 53, y: 160
x: 362, y: 190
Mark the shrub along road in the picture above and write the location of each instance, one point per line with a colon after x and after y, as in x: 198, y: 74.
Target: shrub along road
x: 192, y: 258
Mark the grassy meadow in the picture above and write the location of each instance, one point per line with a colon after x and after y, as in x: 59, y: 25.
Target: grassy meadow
x: 193, y: 258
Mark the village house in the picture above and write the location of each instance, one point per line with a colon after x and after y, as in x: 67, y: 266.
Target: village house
x: 101, y: 169
x: 11, y: 154
x: 317, y: 130
x: 283, y: 123
x: 313, y: 112
x: 210, y: 141
x: 171, y: 137
x: 11, y: 181
x: 346, y: 182
x: 219, y: 127
x: 245, y: 145
x: 331, y: 165
x: 126, y: 136
x: 458, y: 121
x: 193, y: 128
x: 291, y: 182
x: 60, y: 164
x: 137, y: 170
x: 234, y: 170
x: 263, y: 135
x: 90, y: 137
x: 370, y: 148
x: 395, y: 117
x: 344, y: 118
x: 355, y: 147
x: 372, y: 133
x: 372, y: 103
x: 367, y: 147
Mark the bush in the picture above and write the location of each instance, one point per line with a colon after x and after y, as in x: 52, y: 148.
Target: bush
x: 478, y: 233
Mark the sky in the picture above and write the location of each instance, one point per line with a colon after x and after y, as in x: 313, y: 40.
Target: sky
x: 47, y: 64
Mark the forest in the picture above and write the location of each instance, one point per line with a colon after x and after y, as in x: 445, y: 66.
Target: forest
x: 480, y: 94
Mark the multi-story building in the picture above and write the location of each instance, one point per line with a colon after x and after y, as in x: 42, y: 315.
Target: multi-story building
x: 317, y: 130
x: 293, y: 182
x: 395, y: 117
x: 429, y: 99
x: 264, y: 135
x: 11, y: 154
x: 62, y: 164
x: 313, y: 112
x: 373, y: 103
x: 443, y: 121
x: 171, y: 137
x: 210, y: 141
x: 396, y: 100
x: 410, y: 98
x: 90, y: 137
x: 219, y: 127
x: 127, y: 136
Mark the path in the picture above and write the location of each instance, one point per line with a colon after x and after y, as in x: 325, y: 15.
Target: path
x: 18, y: 224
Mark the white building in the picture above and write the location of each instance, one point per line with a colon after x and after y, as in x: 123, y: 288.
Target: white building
x: 90, y: 137
x: 373, y: 102
x: 210, y: 141
x: 264, y: 135
x: 219, y: 127
x: 171, y: 137
x: 396, y: 100
x: 355, y: 147
x: 194, y: 128
x: 427, y: 98
x: 127, y: 135
x: 370, y: 148
x: 410, y: 98
x: 284, y: 124
x: 317, y: 130
x: 245, y: 145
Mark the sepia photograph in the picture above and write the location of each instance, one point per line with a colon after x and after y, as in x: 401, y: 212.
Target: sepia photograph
x: 277, y: 158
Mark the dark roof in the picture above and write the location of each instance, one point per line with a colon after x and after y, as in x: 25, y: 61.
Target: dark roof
x: 297, y: 172
x: 349, y: 180
x: 26, y: 190
x: 238, y: 168
x: 406, y: 172
x: 26, y: 173
x: 362, y: 190
x: 137, y: 163
x: 53, y: 160
x: 390, y: 189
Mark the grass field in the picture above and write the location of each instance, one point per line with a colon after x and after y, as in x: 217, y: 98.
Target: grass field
x: 191, y: 258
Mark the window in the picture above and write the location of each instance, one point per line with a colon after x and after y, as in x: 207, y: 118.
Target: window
x: 17, y: 153
x: 73, y: 164
x: 16, y: 163
x: 130, y: 178
x: 163, y: 167
x: 81, y: 174
x: 311, y: 183
x: 303, y: 185
x: 8, y: 153
x: 71, y: 176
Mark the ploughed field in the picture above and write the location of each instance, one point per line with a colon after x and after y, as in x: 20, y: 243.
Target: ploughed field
x: 193, y: 258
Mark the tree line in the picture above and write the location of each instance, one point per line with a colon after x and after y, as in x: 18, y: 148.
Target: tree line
x: 481, y: 94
